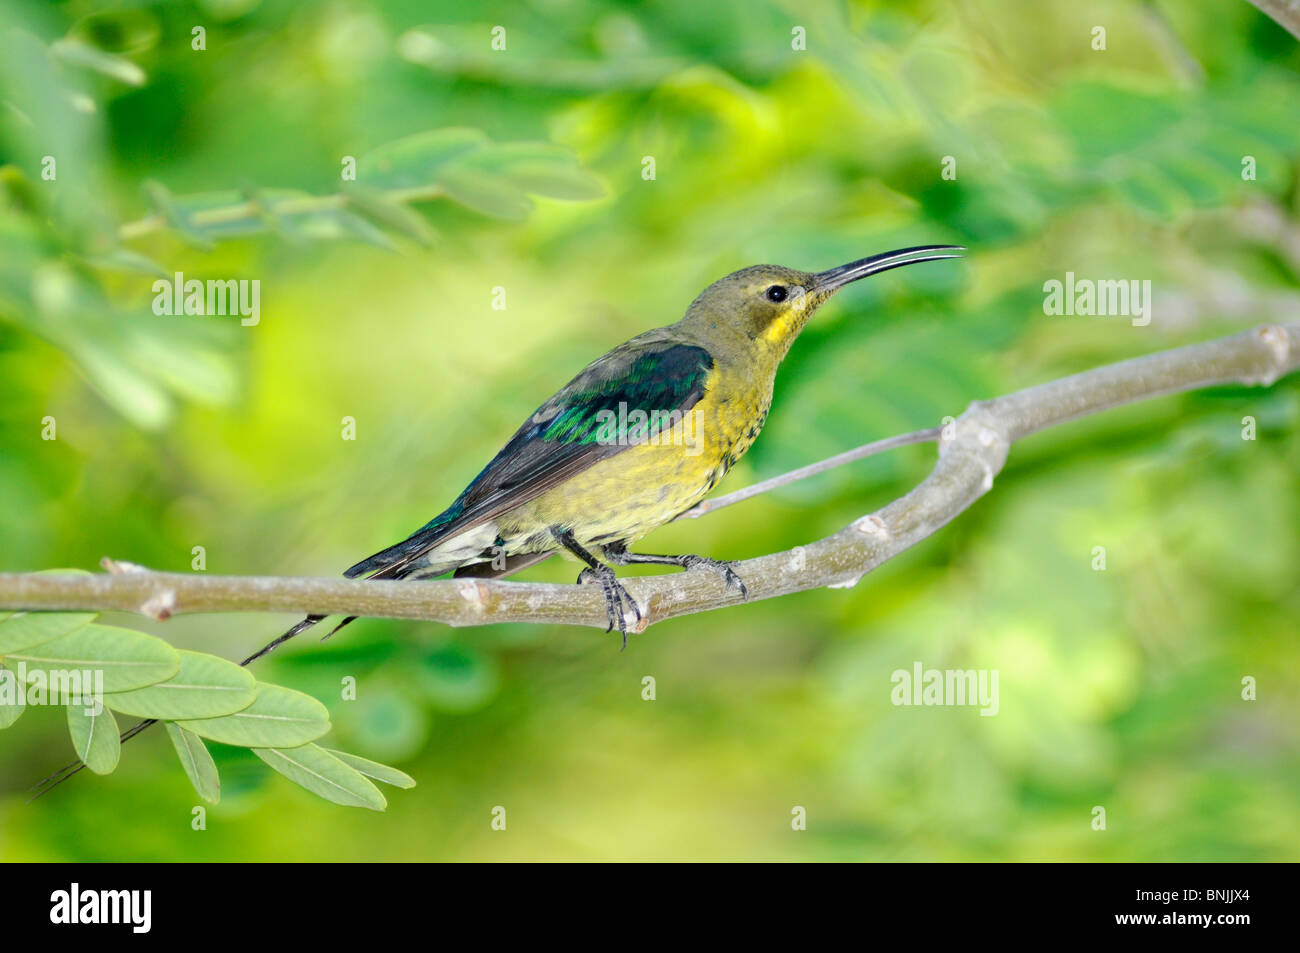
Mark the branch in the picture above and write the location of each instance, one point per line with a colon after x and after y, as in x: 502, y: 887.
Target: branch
x: 460, y: 165
x: 1285, y: 12
x: 972, y: 451
x: 255, y: 210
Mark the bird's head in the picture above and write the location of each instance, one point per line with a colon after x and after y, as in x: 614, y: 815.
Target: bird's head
x: 764, y: 307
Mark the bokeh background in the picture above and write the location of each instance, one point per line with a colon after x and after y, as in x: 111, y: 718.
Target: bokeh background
x: 1119, y: 688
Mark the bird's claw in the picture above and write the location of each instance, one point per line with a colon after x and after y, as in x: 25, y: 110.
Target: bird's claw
x: 616, y: 596
x: 723, y: 569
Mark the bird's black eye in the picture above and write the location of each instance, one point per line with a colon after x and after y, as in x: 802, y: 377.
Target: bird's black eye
x: 776, y: 293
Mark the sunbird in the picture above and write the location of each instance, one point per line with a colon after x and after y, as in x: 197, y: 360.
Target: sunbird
x: 568, y: 481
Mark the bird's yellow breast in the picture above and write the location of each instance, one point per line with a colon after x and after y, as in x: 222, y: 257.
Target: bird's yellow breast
x: 632, y: 492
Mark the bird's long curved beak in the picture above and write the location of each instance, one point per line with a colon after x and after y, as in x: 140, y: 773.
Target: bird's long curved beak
x: 828, y: 282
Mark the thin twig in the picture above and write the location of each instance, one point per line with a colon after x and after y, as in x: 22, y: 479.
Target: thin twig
x: 1285, y: 12
x: 812, y: 469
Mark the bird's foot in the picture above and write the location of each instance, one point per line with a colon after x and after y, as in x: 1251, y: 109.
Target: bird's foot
x: 722, y: 568
x: 616, y: 597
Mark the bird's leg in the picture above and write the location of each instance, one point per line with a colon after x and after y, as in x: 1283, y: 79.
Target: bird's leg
x: 617, y: 554
x: 615, y: 594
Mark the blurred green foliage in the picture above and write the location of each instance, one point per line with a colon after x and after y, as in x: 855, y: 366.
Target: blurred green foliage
x: 1119, y: 688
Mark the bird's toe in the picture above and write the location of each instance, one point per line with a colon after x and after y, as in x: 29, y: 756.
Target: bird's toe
x: 735, y: 582
x: 731, y: 580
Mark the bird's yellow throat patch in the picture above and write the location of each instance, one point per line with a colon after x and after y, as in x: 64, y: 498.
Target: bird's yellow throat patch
x: 785, y: 327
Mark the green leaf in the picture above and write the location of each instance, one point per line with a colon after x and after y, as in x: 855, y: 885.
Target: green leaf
x: 165, y: 204
x: 268, y: 211
x: 414, y: 161
x: 130, y: 392
x: 321, y: 773
x: 296, y: 214
x: 12, y: 704
x: 375, y: 207
x: 485, y: 193
x: 24, y: 630
x: 203, y: 687
x: 126, y: 658
x: 228, y: 213
x: 125, y: 260
x: 197, y: 762
x: 278, y: 718
x: 373, y: 769
x: 95, y: 738
x: 556, y: 180
x: 340, y: 223
x: 76, y: 53
x: 541, y: 168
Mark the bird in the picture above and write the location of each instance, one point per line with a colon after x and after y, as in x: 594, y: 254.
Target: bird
x: 640, y: 435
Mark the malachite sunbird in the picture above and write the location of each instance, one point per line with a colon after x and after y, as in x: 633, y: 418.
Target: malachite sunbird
x: 641, y: 435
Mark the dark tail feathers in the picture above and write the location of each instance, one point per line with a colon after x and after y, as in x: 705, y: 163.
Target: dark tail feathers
x: 391, y: 563
x: 393, y: 556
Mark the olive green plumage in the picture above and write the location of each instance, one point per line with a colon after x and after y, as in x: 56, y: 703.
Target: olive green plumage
x: 637, y: 437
